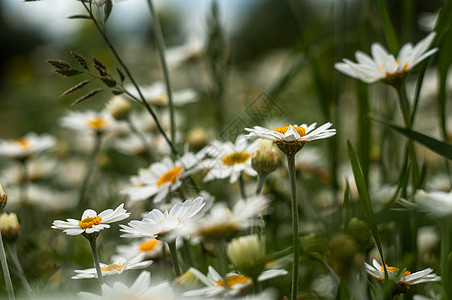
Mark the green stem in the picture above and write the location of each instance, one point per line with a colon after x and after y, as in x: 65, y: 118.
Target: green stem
x: 173, y: 253
x: 260, y: 183
x: 445, y: 240
x: 142, y: 138
x: 15, y: 258
x: 89, y: 171
x: 9, y: 284
x: 242, y: 187
x: 295, y: 239
x: 92, y: 242
x: 188, y: 252
x: 161, y: 46
x: 221, y: 255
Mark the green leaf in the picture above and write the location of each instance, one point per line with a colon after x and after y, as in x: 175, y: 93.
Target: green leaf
x: 442, y: 148
x: 390, y: 35
x: 107, y: 9
x: 87, y: 17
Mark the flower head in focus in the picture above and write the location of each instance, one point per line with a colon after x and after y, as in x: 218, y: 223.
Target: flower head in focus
x: 24, y: 147
x: 383, y: 66
x: 119, y: 265
x: 91, y: 222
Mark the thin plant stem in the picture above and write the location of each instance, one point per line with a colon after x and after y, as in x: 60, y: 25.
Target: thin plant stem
x: 89, y: 170
x: 15, y: 258
x: 92, y: 242
x: 174, y: 258
x: 142, y: 138
x: 260, y: 183
x: 295, y: 241
x: 221, y: 255
x: 188, y: 253
x: 242, y: 187
x: 161, y: 47
x: 444, y: 258
x: 9, y: 284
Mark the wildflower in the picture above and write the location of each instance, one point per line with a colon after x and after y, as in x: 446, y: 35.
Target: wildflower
x: 140, y: 289
x: 89, y: 121
x: 383, y: 66
x: 290, y: 139
x: 247, y: 253
x: 10, y: 227
x: 158, y: 224
x: 3, y: 198
x: 438, y: 204
x: 91, y: 222
x: 119, y: 265
x: 119, y: 107
x: 150, y: 247
x: 189, y: 52
x: 236, y: 283
x: 24, y: 147
x: 229, y: 160
x: 156, y: 94
x: 403, y: 279
x: 161, y: 178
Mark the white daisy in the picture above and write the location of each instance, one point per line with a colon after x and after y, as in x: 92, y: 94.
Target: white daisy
x: 236, y: 283
x: 404, y: 277
x: 158, y: 224
x: 89, y: 121
x: 156, y: 94
x: 140, y: 289
x: 229, y: 159
x: 150, y: 247
x: 438, y: 204
x: 161, y: 178
x: 119, y: 265
x: 26, y: 146
x: 191, y: 51
x: 91, y: 222
x: 384, y: 66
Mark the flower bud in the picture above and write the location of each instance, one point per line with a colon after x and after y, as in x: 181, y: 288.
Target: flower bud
x: 265, y: 159
x: 360, y: 232
x: 10, y: 227
x: 3, y: 198
x: 186, y: 280
x: 247, y: 253
x: 119, y: 107
x: 197, y: 138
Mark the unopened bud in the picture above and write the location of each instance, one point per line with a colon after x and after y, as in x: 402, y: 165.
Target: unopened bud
x: 247, y: 253
x: 119, y: 107
x: 186, y: 281
x: 197, y: 138
x: 10, y: 227
x: 265, y: 159
x: 360, y: 232
x: 3, y: 198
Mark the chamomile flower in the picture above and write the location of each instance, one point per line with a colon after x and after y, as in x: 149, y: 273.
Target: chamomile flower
x: 236, y: 283
x: 89, y: 121
x: 150, y: 247
x: 404, y: 279
x: 119, y: 265
x: 140, y: 289
x: 24, y: 147
x: 229, y: 159
x: 91, y: 222
x: 290, y: 139
x: 191, y: 51
x: 158, y: 224
x: 156, y: 94
x: 383, y: 66
x: 161, y: 178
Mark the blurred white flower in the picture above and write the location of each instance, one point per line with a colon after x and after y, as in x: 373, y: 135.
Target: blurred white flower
x: 229, y: 159
x: 158, y: 224
x: 427, y: 21
x: 161, y: 178
x: 89, y: 121
x: 191, y: 51
x: 38, y: 168
x: 437, y: 204
x: 156, y: 94
x: 119, y: 265
x: 384, y: 66
x: 91, y: 222
x: 26, y: 146
x: 140, y: 289
x: 150, y: 247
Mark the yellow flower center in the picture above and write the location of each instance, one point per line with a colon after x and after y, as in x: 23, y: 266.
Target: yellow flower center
x: 112, y: 267
x: 149, y: 245
x: 162, y: 99
x: 89, y: 222
x: 235, y: 158
x: 233, y: 280
x: 97, y: 124
x: 170, y: 176
x: 23, y: 143
x: 301, y: 131
x: 393, y: 270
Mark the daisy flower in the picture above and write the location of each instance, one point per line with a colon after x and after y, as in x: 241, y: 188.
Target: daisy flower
x: 24, y: 147
x: 89, y: 121
x: 156, y: 94
x: 188, y: 52
x: 236, y: 283
x: 140, y: 289
x: 161, y: 178
x: 150, y: 247
x: 438, y: 204
x: 229, y: 159
x: 119, y: 265
x: 91, y: 222
x: 404, y: 279
x: 290, y: 139
x: 158, y: 224
x: 383, y: 66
